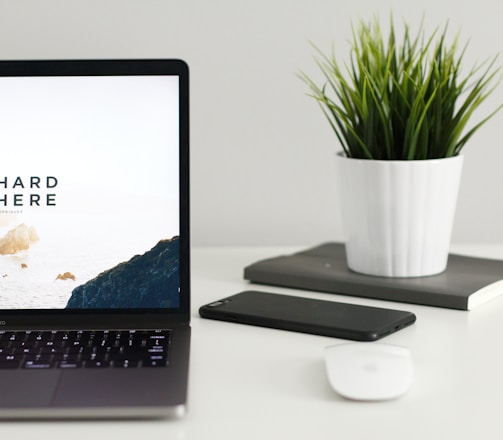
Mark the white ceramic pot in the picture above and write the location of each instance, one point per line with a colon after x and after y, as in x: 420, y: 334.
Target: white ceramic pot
x: 398, y: 215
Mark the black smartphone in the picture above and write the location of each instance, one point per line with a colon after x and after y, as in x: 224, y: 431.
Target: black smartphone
x: 306, y: 315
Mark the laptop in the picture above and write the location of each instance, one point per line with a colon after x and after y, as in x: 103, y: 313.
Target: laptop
x: 94, y: 238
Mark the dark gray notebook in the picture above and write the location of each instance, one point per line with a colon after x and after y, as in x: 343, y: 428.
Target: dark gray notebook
x: 466, y: 283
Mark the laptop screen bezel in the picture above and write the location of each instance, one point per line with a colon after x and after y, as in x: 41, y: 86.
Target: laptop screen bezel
x: 116, y: 318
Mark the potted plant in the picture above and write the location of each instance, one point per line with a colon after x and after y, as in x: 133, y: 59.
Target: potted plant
x: 400, y: 110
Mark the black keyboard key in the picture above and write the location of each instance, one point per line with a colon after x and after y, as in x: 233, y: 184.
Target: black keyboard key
x: 11, y: 357
x: 10, y: 364
x: 68, y: 364
x: 154, y: 363
x: 97, y: 364
x: 39, y: 365
x: 64, y: 357
x: 126, y: 363
x: 38, y: 357
x: 25, y: 350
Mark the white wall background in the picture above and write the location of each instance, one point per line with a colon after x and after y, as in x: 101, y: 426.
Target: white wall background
x: 262, y: 152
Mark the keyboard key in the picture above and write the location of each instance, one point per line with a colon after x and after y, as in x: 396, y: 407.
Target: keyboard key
x: 40, y: 365
x: 97, y: 364
x: 10, y: 364
x: 126, y: 364
x: 69, y: 365
x: 154, y: 363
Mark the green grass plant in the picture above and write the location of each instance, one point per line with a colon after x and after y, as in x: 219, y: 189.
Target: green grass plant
x: 402, y: 99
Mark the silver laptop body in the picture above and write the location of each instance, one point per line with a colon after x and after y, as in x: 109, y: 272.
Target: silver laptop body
x: 94, y: 238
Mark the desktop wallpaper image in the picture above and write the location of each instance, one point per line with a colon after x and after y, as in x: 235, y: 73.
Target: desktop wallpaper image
x: 89, y: 193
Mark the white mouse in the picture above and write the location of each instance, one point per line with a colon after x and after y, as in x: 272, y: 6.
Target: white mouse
x: 369, y: 370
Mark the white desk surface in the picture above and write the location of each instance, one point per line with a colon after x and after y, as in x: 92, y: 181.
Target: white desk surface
x: 255, y: 383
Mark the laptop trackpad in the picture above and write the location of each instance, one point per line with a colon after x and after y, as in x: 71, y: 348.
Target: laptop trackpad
x: 22, y: 388
x: 90, y: 387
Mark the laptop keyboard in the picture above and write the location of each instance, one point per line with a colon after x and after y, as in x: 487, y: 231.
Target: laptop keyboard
x: 84, y: 349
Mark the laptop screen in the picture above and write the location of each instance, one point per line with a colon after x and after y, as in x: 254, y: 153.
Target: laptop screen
x: 90, y: 188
